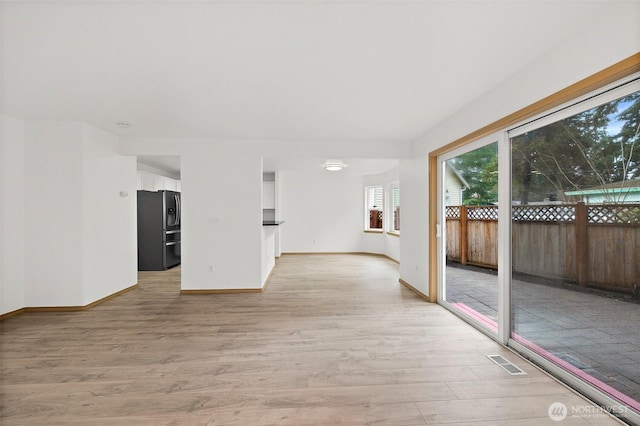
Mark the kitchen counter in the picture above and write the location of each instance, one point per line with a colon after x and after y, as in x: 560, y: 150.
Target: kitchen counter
x: 270, y: 247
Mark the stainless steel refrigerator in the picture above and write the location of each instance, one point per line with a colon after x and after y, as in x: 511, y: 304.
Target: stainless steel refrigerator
x: 158, y: 230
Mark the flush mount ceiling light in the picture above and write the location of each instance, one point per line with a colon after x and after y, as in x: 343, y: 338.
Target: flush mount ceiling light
x: 333, y: 166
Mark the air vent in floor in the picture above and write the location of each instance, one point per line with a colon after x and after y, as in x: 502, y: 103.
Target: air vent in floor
x: 506, y: 365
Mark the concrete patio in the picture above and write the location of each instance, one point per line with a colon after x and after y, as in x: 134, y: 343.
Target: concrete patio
x: 597, y: 333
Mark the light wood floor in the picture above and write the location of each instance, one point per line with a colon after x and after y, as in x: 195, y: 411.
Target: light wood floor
x: 333, y: 340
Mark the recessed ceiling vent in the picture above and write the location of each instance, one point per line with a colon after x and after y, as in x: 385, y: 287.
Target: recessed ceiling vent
x: 506, y: 365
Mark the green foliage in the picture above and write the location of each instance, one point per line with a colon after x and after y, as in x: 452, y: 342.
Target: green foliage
x: 590, y: 149
x: 480, y: 169
x: 593, y: 148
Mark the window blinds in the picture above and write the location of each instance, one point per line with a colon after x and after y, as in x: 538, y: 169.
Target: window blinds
x: 375, y: 198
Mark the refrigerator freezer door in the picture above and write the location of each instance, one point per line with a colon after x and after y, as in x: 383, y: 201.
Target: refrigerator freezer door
x: 171, y: 254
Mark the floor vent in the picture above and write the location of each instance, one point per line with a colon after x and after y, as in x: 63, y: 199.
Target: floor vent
x: 506, y: 365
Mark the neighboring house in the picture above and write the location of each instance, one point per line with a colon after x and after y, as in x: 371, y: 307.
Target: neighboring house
x: 617, y: 192
x: 454, y: 185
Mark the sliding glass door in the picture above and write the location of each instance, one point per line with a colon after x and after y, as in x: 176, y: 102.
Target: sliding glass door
x: 539, y: 241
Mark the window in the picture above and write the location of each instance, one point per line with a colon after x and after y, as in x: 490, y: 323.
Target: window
x: 395, y: 205
x: 375, y: 207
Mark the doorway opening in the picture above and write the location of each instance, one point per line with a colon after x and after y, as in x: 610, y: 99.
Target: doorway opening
x: 159, y: 219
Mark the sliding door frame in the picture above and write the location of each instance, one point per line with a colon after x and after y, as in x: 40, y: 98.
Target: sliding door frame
x: 557, y: 104
x: 501, y: 307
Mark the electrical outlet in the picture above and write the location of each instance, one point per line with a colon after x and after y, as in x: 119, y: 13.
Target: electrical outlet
x: 210, y: 268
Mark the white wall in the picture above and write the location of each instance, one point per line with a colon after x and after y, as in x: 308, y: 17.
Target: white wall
x: 323, y: 211
x: 12, y: 286
x: 53, y: 214
x: 69, y: 238
x: 414, y: 230
x: 108, y: 219
x: 221, y: 218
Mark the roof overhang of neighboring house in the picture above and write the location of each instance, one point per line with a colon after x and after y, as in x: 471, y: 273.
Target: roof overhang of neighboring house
x: 604, y: 191
x: 458, y: 175
x: 626, y: 187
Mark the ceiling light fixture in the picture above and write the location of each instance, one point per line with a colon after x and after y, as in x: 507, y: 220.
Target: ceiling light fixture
x: 333, y: 166
x: 123, y: 124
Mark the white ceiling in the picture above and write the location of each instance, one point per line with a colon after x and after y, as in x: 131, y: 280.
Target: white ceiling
x: 272, y: 70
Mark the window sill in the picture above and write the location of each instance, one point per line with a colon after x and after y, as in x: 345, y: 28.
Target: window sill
x: 373, y: 231
x: 394, y: 233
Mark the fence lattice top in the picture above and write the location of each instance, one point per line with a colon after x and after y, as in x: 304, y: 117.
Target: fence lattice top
x: 553, y: 213
x: 625, y: 214
x: 482, y: 213
x: 452, y: 212
x: 618, y: 214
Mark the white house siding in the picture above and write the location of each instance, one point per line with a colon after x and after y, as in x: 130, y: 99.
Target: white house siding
x: 453, y: 188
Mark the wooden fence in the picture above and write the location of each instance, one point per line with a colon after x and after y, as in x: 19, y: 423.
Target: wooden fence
x: 591, y: 245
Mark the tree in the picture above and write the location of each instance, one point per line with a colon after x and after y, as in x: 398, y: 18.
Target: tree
x: 590, y: 149
x: 628, y: 139
x: 480, y: 169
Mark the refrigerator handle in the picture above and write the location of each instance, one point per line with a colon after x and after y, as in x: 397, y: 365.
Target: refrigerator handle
x: 178, y: 212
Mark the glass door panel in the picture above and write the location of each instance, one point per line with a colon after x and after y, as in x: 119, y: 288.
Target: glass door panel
x: 575, y: 252
x: 470, y: 209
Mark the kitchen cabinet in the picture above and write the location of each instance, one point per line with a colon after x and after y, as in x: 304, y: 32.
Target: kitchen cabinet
x: 269, y: 197
x: 170, y: 184
x: 146, y: 181
x: 152, y: 182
